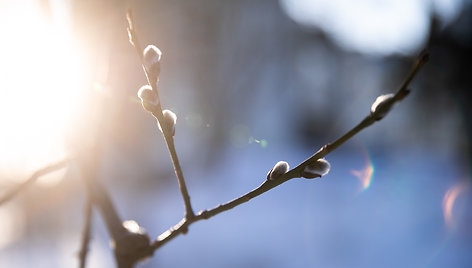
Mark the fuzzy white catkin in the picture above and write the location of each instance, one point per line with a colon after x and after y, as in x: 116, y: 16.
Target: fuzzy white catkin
x: 382, y: 105
x: 146, y: 94
x: 148, y: 98
x: 170, y: 119
x: 152, y: 55
x: 317, y: 169
x: 133, y: 227
x: 278, y: 170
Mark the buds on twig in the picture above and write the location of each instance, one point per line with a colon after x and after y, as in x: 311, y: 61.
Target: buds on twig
x: 148, y: 98
x: 133, y: 227
x: 317, y: 169
x: 133, y: 244
x: 151, y: 60
x: 278, y: 170
x: 382, y: 105
x: 170, y: 119
x: 130, y: 28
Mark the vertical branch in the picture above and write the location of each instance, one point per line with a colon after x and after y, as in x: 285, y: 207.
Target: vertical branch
x: 128, y: 247
x: 99, y: 196
x: 180, y: 177
x: 158, y: 114
x: 86, y: 233
x: 132, y: 34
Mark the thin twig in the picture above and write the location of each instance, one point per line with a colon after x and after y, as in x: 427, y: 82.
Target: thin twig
x: 99, y: 195
x: 133, y: 38
x: 128, y: 247
x: 182, y: 226
x: 178, y: 172
x: 86, y: 233
x: 157, y: 113
x: 40, y: 172
x: 401, y: 93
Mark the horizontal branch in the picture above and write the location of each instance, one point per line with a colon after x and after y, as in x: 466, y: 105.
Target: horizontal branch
x: 373, y: 117
x: 182, y: 226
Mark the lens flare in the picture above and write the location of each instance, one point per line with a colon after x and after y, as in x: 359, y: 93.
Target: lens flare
x: 449, y: 200
x: 365, y: 175
x: 262, y: 142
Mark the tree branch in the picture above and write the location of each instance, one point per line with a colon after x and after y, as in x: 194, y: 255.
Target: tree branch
x: 182, y: 226
x: 40, y: 172
x: 157, y: 113
x: 86, y: 233
x: 98, y: 195
x: 178, y: 172
x: 401, y: 93
x: 129, y: 247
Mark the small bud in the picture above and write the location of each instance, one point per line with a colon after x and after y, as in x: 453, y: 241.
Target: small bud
x: 148, y: 98
x: 133, y: 244
x: 130, y: 36
x: 133, y: 227
x: 170, y: 119
x: 316, y: 170
x: 278, y: 170
x: 152, y: 57
x: 382, y: 105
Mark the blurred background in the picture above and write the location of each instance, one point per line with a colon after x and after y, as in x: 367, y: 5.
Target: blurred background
x: 252, y: 83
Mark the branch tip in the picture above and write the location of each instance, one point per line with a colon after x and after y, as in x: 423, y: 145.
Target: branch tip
x: 129, y: 18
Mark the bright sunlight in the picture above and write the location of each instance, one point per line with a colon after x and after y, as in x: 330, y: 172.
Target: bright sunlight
x: 40, y: 87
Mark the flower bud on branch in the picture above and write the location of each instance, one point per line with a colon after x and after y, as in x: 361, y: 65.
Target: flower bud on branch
x: 278, y: 170
x: 148, y: 98
x: 382, y: 105
x: 317, y: 169
x: 133, y: 227
x: 132, y: 245
x: 151, y: 60
x: 170, y: 119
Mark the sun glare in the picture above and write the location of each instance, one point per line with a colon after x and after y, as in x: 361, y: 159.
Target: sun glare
x: 448, y: 203
x: 40, y: 88
x: 365, y: 175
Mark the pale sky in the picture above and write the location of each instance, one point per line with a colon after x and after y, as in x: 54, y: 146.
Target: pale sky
x: 377, y: 27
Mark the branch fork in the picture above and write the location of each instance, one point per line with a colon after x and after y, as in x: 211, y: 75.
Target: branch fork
x: 131, y: 243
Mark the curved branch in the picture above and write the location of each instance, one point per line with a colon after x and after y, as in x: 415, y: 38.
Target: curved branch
x: 373, y: 117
